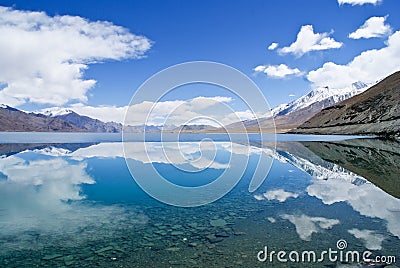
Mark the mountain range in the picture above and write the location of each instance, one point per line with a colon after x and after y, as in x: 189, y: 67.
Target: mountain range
x: 288, y: 116
x: 375, y: 111
x: 55, y: 120
x: 323, y: 110
x: 66, y: 120
x: 12, y: 119
x: 83, y: 122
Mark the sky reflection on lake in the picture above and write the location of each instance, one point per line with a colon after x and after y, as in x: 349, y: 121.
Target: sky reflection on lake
x: 58, y: 198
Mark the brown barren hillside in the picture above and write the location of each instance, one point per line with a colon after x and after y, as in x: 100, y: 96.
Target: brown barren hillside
x: 373, y: 112
x: 15, y: 120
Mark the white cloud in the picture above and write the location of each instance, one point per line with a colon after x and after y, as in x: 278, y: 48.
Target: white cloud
x: 373, y: 27
x: 183, y: 153
x: 57, y: 177
x: 259, y: 68
x: 258, y: 197
x: 368, y: 67
x: 372, y: 240
x: 155, y: 152
x: 367, y: 199
x: 151, y: 152
x: 280, y: 195
x: 177, y: 112
x: 277, y: 71
x: 180, y: 112
x: 306, y: 225
x: 292, y: 95
x: 32, y: 200
x: 308, y: 41
x: 358, y: 2
x: 273, y: 46
x: 43, y: 58
x: 103, y: 113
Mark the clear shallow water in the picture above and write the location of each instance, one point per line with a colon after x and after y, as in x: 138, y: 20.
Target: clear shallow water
x: 76, y: 205
x: 45, y: 137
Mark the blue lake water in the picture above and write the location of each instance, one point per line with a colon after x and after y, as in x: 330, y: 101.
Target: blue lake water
x: 72, y: 202
x: 46, y: 137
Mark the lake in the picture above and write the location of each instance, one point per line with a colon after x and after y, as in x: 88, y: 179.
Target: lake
x: 72, y: 202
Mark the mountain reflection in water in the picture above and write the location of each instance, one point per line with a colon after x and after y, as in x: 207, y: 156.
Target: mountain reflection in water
x: 76, y: 204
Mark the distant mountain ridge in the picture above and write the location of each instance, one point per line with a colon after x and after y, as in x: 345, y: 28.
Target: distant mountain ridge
x: 286, y: 116
x: 81, y: 121
x: 12, y: 119
x: 89, y: 124
x: 66, y: 120
x: 194, y: 128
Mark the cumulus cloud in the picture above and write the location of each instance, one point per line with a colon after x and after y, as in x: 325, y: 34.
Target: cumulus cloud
x: 372, y: 240
x: 213, y: 111
x: 171, y: 153
x: 51, y: 175
x: 43, y: 58
x: 277, y: 71
x: 33, y: 195
x: 368, y: 67
x: 373, y: 27
x: 358, y: 2
x: 104, y: 113
x: 308, y: 41
x: 367, y: 199
x: 273, y: 46
x: 306, y: 225
x: 174, y: 112
x: 280, y: 195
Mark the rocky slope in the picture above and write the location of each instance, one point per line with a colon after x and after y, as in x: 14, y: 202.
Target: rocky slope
x: 89, y: 124
x: 320, y: 97
x: 12, y: 119
x: 60, y: 120
x: 373, y: 112
x: 194, y: 128
x: 288, y: 116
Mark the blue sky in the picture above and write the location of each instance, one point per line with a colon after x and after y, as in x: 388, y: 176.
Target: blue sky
x: 236, y: 33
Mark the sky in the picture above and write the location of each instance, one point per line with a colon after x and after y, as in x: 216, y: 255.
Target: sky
x: 92, y: 56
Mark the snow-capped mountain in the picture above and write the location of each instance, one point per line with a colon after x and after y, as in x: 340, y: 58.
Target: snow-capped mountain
x: 12, y: 119
x: 324, y: 96
x: 54, y: 111
x: 5, y: 106
x: 322, y: 171
x: 84, y: 122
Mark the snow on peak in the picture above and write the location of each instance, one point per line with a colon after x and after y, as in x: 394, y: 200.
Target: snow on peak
x: 321, y: 94
x: 321, y: 171
x: 55, y: 111
x: 359, y: 85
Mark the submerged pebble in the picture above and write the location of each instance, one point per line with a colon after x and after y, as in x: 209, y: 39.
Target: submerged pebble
x: 175, y: 233
x: 172, y: 249
x: 51, y: 257
x: 218, y: 223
